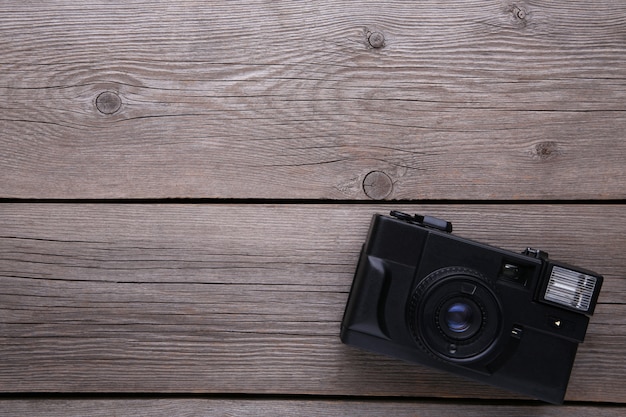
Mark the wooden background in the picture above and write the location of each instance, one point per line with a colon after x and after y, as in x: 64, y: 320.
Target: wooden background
x: 185, y: 187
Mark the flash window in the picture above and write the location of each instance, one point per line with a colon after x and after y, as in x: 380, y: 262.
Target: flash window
x: 570, y: 288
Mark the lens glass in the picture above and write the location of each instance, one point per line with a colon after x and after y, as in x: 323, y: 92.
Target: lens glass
x: 459, y: 317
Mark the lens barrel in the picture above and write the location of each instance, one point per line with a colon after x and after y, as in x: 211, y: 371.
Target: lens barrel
x: 454, y: 313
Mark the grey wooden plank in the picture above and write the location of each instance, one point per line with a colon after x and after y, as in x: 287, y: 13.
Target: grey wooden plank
x: 289, y: 407
x: 248, y: 298
x: 463, y: 100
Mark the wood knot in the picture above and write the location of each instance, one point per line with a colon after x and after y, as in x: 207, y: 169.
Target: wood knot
x: 519, y: 13
x: 376, y: 40
x: 108, y: 102
x: 545, y: 150
x: 377, y: 185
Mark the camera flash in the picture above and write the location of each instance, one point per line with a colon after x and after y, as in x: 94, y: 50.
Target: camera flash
x: 570, y: 288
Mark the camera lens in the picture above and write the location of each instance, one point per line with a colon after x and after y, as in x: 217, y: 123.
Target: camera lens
x: 458, y: 317
x: 454, y: 313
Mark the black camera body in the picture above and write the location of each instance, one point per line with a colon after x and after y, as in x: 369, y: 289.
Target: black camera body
x: 426, y: 296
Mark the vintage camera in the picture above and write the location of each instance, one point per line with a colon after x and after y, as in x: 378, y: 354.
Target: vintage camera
x: 426, y: 296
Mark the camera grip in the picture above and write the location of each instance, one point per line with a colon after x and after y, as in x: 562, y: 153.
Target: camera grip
x: 365, y: 307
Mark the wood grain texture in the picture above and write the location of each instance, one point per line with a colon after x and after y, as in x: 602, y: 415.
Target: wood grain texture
x: 248, y: 298
x: 312, y: 408
x: 254, y: 99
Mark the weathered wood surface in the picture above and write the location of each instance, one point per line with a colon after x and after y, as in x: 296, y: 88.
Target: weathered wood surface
x: 309, y: 408
x: 338, y: 100
x: 248, y: 298
x: 255, y: 99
